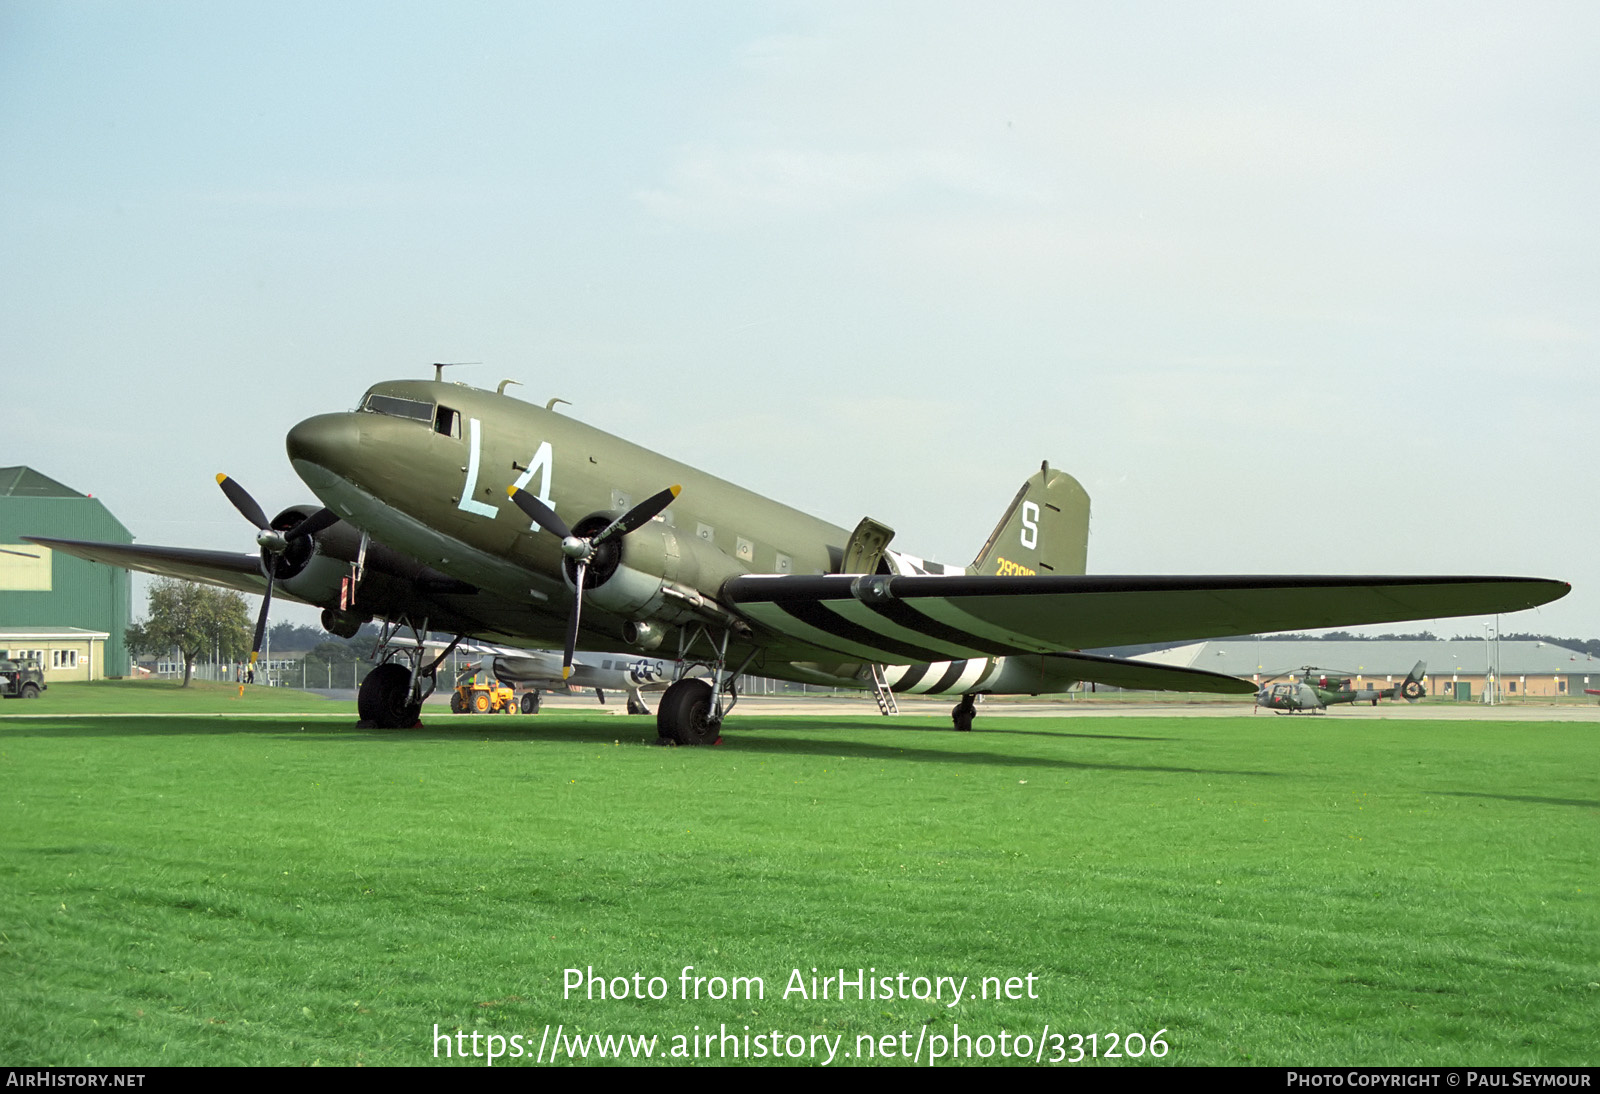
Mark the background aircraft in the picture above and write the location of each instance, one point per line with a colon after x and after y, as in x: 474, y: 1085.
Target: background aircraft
x: 449, y: 508
x: 540, y: 671
x: 1313, y: 690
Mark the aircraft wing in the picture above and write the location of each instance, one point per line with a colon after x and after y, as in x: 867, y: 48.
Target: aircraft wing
x: 912, y: 618
x: 229, y: 569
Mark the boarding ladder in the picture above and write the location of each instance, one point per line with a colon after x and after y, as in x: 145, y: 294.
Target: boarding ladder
x: 881, y: 692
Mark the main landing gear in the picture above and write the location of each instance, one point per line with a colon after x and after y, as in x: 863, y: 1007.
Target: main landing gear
x: 391, y: 696
x: 386, y: 698
x: 692, y: 709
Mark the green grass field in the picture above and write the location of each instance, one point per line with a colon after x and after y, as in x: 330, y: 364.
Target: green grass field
x: 205, y: 889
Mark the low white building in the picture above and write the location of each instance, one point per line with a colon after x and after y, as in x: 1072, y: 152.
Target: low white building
x: 65, y: 653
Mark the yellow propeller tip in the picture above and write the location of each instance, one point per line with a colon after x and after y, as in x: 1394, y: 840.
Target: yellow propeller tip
x: 566, y: 671
x: 221, y: 479
x: 676, y: 490
x: 511, y: 491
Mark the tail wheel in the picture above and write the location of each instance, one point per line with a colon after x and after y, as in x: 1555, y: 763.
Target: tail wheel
x: 480, y: 702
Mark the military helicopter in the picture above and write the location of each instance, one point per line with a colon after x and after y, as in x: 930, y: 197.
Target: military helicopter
x: 1313, y: 690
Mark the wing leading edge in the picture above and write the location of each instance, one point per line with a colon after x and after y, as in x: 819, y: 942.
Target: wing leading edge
x: 915, y: 618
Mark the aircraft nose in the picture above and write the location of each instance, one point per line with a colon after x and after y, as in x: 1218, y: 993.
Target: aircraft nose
x: 328, y: 441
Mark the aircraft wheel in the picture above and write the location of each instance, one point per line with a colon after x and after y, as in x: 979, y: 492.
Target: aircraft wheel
x: 384, y: 699
x: 458, y: 705
x: 962, y: 714
x: 530, y: 702
x: 684, y: 714
x: 480, y: 703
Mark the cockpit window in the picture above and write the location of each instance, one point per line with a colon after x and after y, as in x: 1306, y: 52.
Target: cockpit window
x: 447, y: 423
x: 398, y: 408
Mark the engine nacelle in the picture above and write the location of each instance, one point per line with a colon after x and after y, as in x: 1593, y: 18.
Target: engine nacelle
x: 651, y: 575
x: 305, y: 571
x: 343, y: 624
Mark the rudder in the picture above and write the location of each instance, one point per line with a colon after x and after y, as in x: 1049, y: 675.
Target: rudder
x: 1045, y: 530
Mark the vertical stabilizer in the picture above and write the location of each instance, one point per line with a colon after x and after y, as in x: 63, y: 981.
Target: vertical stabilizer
x: 1045, y: 531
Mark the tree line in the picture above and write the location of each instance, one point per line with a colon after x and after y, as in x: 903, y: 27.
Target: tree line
x: 199, y: 621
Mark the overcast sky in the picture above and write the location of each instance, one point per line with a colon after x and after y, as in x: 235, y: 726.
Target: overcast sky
x: 1290, y: 288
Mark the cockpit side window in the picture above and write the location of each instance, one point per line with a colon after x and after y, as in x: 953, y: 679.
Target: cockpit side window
x: 447, y: 423
x: 398, y: 408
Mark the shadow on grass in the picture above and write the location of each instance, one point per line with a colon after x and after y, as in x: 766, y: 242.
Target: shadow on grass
x: 1582, y: 803
x: 752, y: 736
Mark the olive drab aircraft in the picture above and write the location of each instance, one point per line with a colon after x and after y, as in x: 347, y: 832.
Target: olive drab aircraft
x: 1312, y: 690
x: 455, y: 510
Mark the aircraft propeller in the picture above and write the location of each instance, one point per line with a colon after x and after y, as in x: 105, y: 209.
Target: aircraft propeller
x: 272, y: 541
x: 581, y: 549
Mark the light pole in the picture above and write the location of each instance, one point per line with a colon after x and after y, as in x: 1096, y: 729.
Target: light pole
x: 1488, y: 664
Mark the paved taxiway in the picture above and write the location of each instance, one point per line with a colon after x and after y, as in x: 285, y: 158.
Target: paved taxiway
x: 864, y: 707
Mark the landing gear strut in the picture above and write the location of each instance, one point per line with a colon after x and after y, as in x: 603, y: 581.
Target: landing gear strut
x: 691, y: 710
x: 685, y: 715
x: 385, y: 699
x: 963, y: 712
x: 391, y: 696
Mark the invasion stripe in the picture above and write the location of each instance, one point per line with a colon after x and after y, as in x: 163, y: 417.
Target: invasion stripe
x: 885, y: 622
x: 956, y: 670
x: 773, y: 616
x: 830, y: 622
x: 918, y: 621
x: 969, y: 679
x: 911, y: 678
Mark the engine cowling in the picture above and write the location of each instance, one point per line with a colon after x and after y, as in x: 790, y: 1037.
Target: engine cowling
x: 651, y: 574
x: 305, y: 570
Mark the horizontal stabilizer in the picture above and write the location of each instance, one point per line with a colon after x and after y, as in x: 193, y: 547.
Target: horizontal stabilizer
x: 1120, y: 672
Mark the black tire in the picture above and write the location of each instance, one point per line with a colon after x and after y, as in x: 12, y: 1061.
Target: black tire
x: 458, y: 705
x: 684, y: 714
x: 635, y: 707
x: 962, y: 714
x: 530, y: 702
x: 30, y: 691
x: 384, y: 699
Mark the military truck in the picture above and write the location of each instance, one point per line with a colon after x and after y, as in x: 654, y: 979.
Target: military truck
x: 21, y: 678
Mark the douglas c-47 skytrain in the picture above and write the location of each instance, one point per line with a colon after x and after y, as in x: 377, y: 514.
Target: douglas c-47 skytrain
x: 450, y: 509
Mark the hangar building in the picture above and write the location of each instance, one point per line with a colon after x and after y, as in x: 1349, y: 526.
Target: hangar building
x: 1459, y: 668
x: 50, y: 601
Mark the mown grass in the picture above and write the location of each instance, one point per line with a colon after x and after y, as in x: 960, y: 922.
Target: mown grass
x: 169, y: 697
x: 200, y: 890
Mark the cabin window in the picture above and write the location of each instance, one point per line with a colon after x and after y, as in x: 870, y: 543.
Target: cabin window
x: 397, y: 407
x: 447, y: 423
